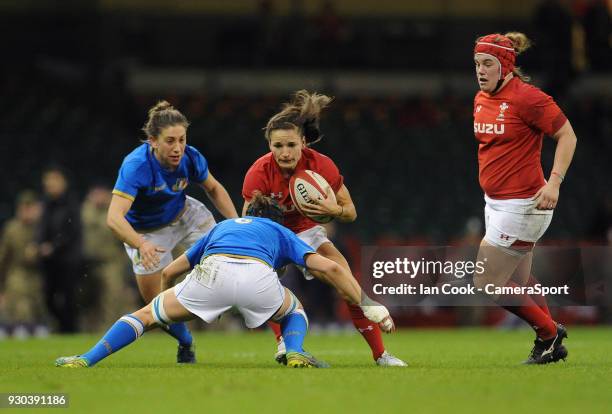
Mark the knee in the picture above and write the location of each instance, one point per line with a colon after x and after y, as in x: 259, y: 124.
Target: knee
x: 145, y: 315
x: 290, y: 304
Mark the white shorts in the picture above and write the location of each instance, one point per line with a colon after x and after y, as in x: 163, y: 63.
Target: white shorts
x: 220, y: 283
x: 193, y: 224
x: 313, y: 237
x: 509, y: 221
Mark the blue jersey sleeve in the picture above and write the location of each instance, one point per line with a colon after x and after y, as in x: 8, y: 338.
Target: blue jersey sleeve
x: 199, y: 170
x: 132, y: 176
x: 296, y: 249
x: 195, y: 252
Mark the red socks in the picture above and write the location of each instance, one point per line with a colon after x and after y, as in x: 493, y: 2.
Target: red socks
x: 528, y: 310
x: 276, y: 328
x: 538, y: 299
x: 368, y: 329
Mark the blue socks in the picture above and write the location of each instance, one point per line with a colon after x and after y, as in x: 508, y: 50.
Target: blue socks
x: 180, y: 332
x: 125, y: 331
x: 293, y: 328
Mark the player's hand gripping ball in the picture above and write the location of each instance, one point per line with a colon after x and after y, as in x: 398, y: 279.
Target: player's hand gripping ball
x: 306, y: 186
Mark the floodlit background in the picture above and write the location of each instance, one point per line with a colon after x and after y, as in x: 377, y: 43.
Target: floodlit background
x: 77, y: 78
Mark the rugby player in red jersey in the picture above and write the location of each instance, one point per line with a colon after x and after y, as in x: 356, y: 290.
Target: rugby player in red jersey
x: 289, y: 134
x: 511, y: 118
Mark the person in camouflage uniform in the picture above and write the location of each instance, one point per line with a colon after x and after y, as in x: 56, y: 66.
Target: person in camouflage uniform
x: 21, y: 296
x: 107, y: 263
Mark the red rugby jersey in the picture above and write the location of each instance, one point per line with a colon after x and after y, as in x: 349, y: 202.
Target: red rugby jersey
x: 265, y: 176
x: 509, y: 127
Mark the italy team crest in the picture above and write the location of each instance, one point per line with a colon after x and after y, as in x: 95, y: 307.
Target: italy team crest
x: 180, y: 185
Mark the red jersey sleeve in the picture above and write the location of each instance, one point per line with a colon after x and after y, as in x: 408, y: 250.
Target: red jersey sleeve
x: 254, y: 180
x: 328, y: 169
x: 540, y: 111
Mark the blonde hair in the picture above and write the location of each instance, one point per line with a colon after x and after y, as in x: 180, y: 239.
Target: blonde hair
x: 161, y: 116
x: 520, y: 43
x: 302, y: 114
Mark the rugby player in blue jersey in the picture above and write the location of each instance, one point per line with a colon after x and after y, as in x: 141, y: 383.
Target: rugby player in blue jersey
x: 235, y: 266
x: 150, y: 212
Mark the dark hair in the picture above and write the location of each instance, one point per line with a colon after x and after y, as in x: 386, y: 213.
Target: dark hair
x: 302, y: 113
x: 163, y: 115
x: 57, y: 168
x: 263, y: 206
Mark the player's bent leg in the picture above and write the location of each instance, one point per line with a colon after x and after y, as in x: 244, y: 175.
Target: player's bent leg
x: 294, y: 325
x: 290, y: 303
x: 368, y: 330
x: 280, y: 355
x: 293, y: 322
x: 125, y: 331
x: 170, y: 315
x: 166, y: 309
x: 523, y: 277
x: 501, y: 264
x: 149, y: 286
x: 523, y: 269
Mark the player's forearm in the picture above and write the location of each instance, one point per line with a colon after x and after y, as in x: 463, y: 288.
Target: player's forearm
x: 345, y: 284
x: 169, y: 274
x: 124, y: 231
x: 166, y: 282
x: 347, y: 214
x: 332, y: 273
x: 564, y: 153
x: 222, y: 201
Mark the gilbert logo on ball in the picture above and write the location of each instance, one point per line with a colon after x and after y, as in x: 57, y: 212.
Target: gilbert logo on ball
x: 306, y: 186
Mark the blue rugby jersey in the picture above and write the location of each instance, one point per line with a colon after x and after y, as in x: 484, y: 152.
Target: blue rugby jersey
x: 158, y: 195
x: 255, y: 237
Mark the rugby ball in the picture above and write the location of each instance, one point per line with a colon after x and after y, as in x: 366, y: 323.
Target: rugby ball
x: 306, y: 186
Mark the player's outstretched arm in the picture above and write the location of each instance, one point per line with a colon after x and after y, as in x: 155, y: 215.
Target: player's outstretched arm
x: 219, y: 197
x: 348, y: 287
x: 337, y: 276
x: 115, y: 219
x: 179, y: 266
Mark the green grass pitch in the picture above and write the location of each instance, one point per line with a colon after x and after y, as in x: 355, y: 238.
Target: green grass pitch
x: 462, y: 370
